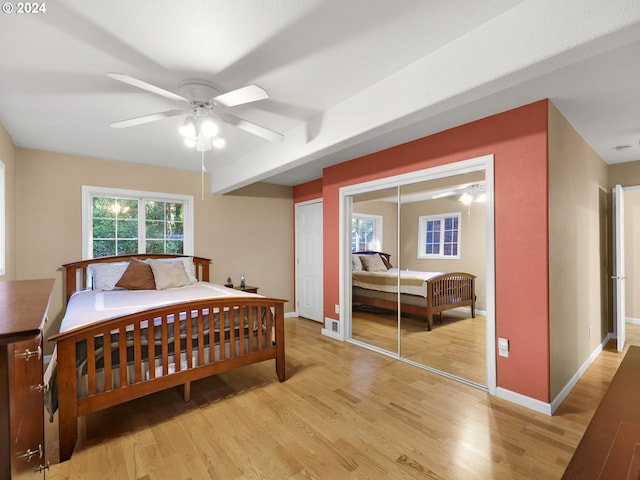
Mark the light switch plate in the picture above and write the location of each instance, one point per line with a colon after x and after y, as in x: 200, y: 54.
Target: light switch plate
x: 503, y: 347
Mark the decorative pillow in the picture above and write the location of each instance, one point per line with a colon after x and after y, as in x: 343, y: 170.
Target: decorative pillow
x: 373, y: 263
x: 168, y: 274
x: 356, y: 264
x: 137, y: 276
x: 104, y: 276
x: 189, y: 266
x: 386, y: 260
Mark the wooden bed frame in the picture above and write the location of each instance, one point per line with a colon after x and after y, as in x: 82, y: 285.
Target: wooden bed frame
x: 251, y: 350
x: 444, y: 292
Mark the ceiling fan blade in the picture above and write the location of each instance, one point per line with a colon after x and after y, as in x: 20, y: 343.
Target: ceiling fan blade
x: 146, y: 118
x: 121, y: 77
x: 240, y: 96
x: 252, y: 127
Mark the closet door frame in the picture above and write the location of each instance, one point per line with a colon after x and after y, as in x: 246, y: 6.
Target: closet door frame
x: 346, y: 193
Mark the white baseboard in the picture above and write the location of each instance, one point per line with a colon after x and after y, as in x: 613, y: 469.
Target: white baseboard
x: 290, y: 315
x: 583, y: 368
x: 333, y: 328
x: 635, y: 321
x: 524, y: 401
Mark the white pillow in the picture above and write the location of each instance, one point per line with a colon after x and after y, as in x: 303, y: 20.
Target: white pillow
x: 356, y: 263
x: 104, y: 276
x: 168, y: 274
x: 189, y: 266
x: 373, y: 263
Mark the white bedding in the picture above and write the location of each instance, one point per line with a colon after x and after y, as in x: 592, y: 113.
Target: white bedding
x: 411, y: 281
x: 91, y: 306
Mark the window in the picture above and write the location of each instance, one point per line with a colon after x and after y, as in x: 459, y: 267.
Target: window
x: 2, y: 220
x: 119, y: 222
x: 366, y: 232
x: 439, y: 236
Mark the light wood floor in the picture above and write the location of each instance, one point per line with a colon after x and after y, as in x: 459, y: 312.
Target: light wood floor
x: 344, y: 413
x: 456, y: 345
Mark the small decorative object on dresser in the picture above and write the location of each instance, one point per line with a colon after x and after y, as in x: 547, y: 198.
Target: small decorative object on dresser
x: 228, y: 283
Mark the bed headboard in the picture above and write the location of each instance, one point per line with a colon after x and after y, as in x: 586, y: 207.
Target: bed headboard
x: 76, y: 272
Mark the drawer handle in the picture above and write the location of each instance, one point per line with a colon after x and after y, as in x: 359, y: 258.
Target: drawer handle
x: 40, y: 468
x: 29, y: 353
x: 29, y: 454
x: 39, y: 388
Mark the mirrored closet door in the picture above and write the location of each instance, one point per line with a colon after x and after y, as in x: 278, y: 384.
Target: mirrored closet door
x: 417, y: 243
x: 374, y: 228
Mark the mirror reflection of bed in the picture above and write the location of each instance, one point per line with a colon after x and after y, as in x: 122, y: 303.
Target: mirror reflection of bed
x: 456, y: 343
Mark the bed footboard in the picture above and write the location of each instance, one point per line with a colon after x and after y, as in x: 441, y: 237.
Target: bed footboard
x: 109, y: 363
x: 450, y: 290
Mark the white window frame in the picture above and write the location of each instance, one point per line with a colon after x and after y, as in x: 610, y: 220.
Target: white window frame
x: 89, y: 192
x: 377, y: 229
x: 422, y: 236
x: 3, y: 266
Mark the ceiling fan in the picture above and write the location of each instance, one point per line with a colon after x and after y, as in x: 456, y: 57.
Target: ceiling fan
x: 204, y: 101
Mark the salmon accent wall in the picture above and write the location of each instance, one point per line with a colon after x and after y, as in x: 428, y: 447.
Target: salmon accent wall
x: 518, y: 141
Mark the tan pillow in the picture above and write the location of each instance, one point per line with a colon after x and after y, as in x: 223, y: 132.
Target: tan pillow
x: 373, y: 263
x: 168, y: 274
x: 137, y: 276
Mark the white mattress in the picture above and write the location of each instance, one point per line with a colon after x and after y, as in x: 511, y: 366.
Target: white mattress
x: 91, y: 306
x: 411, y: 282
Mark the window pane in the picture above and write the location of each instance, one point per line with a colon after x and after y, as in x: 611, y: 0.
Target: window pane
x: 127, y: 246
x: 175, y: 246
x: 154, y: 210
x: 104, y: 248
x: 155, y: 229
x: 155, y: 246
x: 128, y: 209
x: 104, y: 228
x: 127, y: 228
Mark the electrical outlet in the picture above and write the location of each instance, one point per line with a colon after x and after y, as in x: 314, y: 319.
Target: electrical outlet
x: 337, y: 308
x: 503, y: 347
x: 589, y: 331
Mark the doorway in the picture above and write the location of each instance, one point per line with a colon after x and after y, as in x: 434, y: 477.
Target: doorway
x: 309, y: 267
x: 626, y: 228
x: 402, y: 198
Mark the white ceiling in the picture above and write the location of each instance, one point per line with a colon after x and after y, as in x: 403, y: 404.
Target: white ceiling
x: 345, y: 78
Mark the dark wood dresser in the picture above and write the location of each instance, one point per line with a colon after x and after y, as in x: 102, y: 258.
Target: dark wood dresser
x: 610, y: 447
x: 23, y: 311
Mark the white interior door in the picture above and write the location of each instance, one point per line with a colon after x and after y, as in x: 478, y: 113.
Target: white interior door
x: 619, y: 275
x: 309, y: 271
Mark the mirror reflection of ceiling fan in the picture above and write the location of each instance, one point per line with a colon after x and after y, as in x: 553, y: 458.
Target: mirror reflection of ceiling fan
x: 469, y: 193
x: 204, y: 102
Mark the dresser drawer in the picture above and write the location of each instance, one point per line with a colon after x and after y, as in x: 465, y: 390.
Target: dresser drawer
x: 26, y: 407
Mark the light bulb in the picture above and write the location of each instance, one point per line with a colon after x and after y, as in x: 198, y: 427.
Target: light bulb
x: 188, y: 129
x: 219, y: 142
x: 208, y: 127
x: 466, y: 198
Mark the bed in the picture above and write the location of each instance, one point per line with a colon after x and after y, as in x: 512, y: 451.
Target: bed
x: 166, y: 337
x: 375, y: 283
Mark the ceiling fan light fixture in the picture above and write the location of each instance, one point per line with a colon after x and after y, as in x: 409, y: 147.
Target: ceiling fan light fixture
x: 481, y: 198
x: 208, y: 127
x: 219, y: 142
x: 466, y: 198
x: 190, y: 142
x: 189, y: 128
